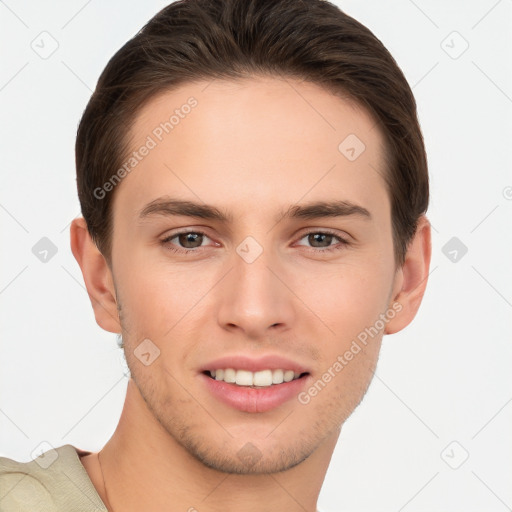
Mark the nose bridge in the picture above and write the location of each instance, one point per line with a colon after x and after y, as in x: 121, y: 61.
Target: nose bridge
x: 253, y: 298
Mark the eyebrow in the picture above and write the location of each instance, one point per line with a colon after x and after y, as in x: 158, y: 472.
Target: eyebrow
x: 167, y: 206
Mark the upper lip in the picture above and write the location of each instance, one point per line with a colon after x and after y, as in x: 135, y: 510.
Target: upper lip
x: 255, y: 364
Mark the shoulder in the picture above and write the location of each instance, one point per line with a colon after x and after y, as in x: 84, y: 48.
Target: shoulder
x: 56, y: 481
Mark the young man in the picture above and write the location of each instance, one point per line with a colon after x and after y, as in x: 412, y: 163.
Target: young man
x: 254, y: 185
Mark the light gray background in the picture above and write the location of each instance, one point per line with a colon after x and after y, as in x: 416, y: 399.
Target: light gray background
x: 446, y: 378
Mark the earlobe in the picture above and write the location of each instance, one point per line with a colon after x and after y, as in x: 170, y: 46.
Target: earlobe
x: 411, y: 279
x: 97, y: 276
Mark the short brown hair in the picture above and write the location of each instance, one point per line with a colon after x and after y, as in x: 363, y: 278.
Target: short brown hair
x: 312, y: 40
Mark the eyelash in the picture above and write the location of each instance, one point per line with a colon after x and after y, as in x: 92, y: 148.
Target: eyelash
x: 341, y: 245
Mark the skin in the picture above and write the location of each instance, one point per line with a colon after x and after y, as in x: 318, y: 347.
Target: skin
x: 251, y: 148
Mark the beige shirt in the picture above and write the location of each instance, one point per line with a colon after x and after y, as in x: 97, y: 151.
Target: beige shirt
x: 54, y: 482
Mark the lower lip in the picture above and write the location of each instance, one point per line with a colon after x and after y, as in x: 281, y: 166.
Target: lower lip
x: 249, y: 399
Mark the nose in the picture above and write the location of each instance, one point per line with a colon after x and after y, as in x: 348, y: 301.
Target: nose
x: 255, y: 297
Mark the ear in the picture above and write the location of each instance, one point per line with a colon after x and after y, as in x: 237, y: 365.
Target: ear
x: 97, y: 276
x: 411, y: 279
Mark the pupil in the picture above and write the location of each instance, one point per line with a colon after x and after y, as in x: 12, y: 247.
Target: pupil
x: 313, y: 239
x: 187, y: 238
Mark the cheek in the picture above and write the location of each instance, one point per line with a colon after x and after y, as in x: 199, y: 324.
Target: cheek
x: 159, y: 299
x: 350, y: 303
x: 348, y: 299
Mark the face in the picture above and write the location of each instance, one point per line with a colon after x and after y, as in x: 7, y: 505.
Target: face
x: 253, y: 235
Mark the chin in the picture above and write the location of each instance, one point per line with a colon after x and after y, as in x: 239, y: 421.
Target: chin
x: 248, y: 460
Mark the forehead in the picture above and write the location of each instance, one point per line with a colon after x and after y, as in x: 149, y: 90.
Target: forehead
x: 252, y: 142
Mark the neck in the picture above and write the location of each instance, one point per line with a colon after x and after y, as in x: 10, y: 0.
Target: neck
x: 147, y: 469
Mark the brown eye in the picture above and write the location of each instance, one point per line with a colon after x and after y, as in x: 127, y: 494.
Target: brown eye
x: 322, y: 241
x: 190, y: 240
x: 186, y: 241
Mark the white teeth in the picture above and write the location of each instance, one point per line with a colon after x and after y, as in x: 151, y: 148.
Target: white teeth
x: 229, y: 375
x: 277, y: 377
x: 263, y: 378
x: 244, y: 378
x: 288, y: 375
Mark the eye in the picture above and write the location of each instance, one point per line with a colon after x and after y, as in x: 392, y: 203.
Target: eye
x: 188, y: 241
x: 321, y: 241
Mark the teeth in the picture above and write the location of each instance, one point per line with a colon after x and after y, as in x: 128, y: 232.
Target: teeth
x: 244, y: 378
x: 277, y: 376
x: 288, y: 375
x: 229, y: 375
x: 263, y: 378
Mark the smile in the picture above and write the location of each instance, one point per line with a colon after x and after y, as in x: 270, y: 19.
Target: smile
x: 248, y: 397
x: 260, y: 379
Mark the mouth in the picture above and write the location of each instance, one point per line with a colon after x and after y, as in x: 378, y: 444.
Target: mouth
x: 262, y: 379
x: 254, y: 392
x: 254, y: 384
